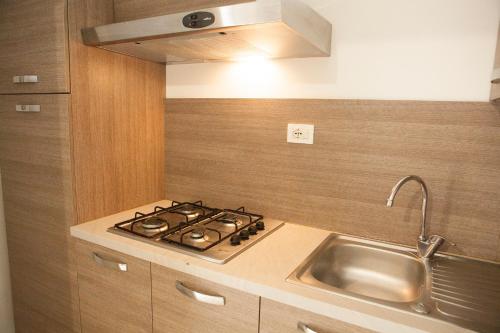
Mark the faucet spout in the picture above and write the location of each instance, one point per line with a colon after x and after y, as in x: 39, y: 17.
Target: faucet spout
x: 425, y: 195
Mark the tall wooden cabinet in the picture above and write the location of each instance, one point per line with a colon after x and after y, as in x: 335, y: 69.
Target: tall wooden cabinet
x: 84, y: 141
x: 35, y: 166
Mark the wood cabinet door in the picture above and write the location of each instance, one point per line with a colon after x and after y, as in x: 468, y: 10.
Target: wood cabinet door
x: 126, y: 10
x: 115, y: 291
x: 35, y: 167
x: 280, y: 318
x: 34, y: 41
x: 185, y: 304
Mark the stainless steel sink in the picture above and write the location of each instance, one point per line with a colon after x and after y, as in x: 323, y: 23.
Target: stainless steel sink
x: 454, y: 289
x: 369, y: 271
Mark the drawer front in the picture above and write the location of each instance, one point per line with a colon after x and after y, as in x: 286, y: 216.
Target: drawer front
x: 186, y: 304
x: 115, y: 291
x: 280, y: 318
x: 34, y: 43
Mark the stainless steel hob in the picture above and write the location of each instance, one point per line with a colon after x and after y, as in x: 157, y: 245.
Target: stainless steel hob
x: 212, y: 234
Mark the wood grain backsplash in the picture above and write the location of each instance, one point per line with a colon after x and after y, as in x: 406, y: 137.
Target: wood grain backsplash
x: 233, y: 152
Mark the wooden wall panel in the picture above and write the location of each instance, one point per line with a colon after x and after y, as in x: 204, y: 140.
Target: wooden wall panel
x: 36, y: 178
x: 234, y: 152
x: 132, y: 9
x: 117, y: 121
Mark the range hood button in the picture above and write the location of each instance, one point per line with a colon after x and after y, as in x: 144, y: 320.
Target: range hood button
x: 198, y: 20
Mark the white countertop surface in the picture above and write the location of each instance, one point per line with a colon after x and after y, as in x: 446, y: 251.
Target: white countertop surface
x: 262, y: 270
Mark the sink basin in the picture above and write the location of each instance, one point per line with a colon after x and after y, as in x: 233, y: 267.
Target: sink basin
x: 454, y: 289
x: 369, y: 271
x: 364, y: 268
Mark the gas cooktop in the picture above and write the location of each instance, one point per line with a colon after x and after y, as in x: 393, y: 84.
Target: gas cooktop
x: 212, y: 234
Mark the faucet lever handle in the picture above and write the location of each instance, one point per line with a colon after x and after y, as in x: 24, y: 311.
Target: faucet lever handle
x: 438, y: 238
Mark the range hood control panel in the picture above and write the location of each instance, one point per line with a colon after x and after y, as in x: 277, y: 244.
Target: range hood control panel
x: 198, y: 20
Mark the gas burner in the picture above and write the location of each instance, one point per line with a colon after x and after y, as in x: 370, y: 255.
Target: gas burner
x: 229, y: 219
x: 197, y: 233
x: 154, y: 223
x: 187, y: 210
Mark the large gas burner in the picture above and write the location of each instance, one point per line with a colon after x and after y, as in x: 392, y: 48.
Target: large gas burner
x: 209, y: 233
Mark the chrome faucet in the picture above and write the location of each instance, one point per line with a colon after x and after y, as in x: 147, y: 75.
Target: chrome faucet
x: 426, y: 246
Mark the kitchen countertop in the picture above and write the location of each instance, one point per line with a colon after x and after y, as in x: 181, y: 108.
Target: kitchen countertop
x: 262, y: 270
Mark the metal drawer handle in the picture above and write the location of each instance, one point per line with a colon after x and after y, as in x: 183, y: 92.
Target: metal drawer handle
x: 28, y: 108
x: 304, y: 328
x: 25, y: 79
x: 200, y: 297
x: 110, y: 264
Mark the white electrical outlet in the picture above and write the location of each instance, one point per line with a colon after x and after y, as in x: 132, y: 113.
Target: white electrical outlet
x: 300, y: 133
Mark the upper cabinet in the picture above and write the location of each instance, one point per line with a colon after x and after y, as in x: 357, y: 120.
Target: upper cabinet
x: 34, y: 41
x: 126, y: 10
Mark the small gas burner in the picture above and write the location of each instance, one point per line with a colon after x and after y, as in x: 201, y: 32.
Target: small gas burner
x: 193, y: 228
x: 189, y: 210
x: 197, y: 233
x: 155, y: 222
x: 229, y: 219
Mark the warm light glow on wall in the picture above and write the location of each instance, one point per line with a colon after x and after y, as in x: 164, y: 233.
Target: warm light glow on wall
x: 252, y: 76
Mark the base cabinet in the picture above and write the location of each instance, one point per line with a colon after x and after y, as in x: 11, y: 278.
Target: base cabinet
x: 186, y: 304
x: 280, y: 318
x: 122, y: 294
x: 115, y: 291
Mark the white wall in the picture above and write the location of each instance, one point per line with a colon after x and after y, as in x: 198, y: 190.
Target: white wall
x: 6, y: 315
x: 383, y: 49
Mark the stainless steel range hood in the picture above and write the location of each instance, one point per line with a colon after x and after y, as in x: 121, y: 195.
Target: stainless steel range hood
x: 262, y: 28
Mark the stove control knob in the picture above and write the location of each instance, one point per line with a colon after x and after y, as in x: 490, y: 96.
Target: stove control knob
x: 244, y: 234
x: 235, y: 240
x: 260, y: 225
x: 252, y: 230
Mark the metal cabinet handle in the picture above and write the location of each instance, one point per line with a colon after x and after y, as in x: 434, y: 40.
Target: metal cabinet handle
x: 27, y: 108
x: 25, y: 79
x: 200, y: 297
x: 110, y: 264
x: 304, y: 328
